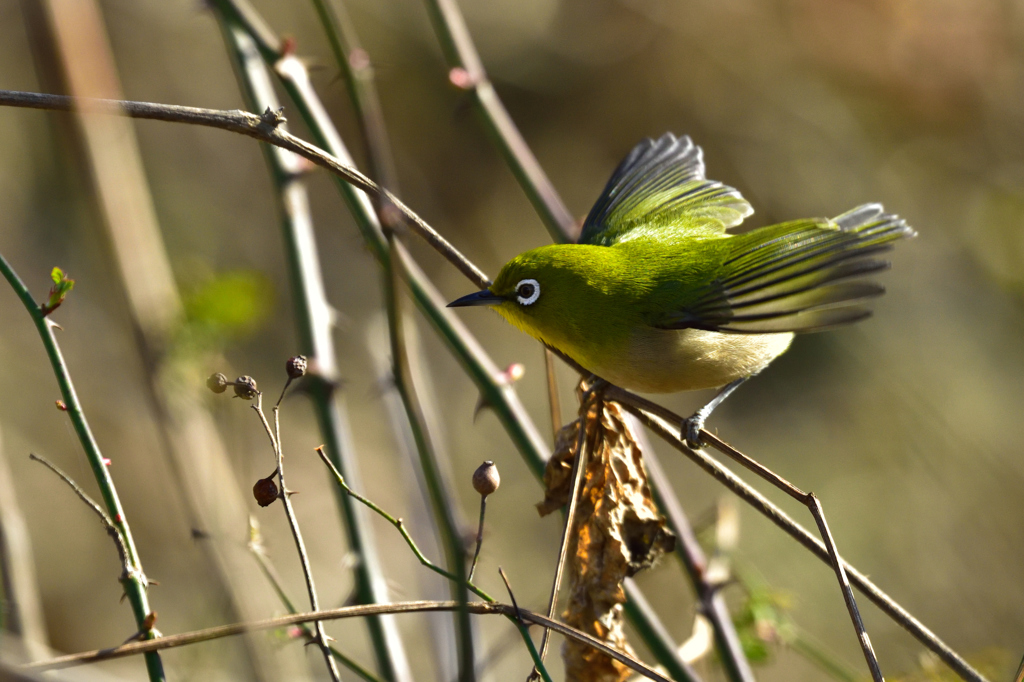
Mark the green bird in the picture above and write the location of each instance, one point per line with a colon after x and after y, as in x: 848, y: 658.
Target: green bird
x: 657, y: 296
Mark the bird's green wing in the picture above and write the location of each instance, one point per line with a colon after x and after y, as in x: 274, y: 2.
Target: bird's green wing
x: 661, y: 185
x: 795, y: 277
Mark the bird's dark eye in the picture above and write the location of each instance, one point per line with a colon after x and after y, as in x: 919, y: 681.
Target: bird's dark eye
x: 527, y: 291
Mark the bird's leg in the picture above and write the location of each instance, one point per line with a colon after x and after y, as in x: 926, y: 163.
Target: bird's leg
x: 693, y: 424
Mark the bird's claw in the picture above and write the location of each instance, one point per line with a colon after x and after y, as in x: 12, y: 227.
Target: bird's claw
x: 691, y: 431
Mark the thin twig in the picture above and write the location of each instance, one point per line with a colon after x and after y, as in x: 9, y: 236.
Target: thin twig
x: 478, y: 608
x: 579, y: 468
x: 266, y: 128
x: 300, y: 545
x: 814, y: 504
x: 479, y: 536
x: 554, y: 403
x: 134, y: 582
x: 467, y: 73
x: 665, y: 424
x: 108, y: 525
x: 400, y: 526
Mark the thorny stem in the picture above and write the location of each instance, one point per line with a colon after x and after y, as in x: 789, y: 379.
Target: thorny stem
x: 579, y: 468
x: 300, y: 545
x: 478, y: 608
x: 134, y: 581
x: 479, y: 536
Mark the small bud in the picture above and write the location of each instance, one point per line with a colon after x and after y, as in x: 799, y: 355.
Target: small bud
x: 296, y: 367
x: 265, y: 491
x: 61, y: 406
x: 218, y: 383
x: 486, y: 479
x: 245, y: 388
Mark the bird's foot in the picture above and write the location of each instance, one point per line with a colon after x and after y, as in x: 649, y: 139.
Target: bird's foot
x: 691, y: 430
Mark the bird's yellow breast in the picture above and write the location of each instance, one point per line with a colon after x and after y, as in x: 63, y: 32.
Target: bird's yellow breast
x: 667, y: 361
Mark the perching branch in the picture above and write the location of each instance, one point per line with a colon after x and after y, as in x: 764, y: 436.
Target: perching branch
x: 665, y: 424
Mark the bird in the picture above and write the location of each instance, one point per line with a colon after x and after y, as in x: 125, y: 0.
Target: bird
x: 659, y: 295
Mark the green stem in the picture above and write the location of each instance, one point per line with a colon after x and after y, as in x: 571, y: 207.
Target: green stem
x: 314, y: 326
x: 134, y: 580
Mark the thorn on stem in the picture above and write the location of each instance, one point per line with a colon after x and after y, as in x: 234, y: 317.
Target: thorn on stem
x: 273, y: 119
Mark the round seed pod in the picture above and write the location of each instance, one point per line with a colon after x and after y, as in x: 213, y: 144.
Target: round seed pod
x: 296, y: 367
x: 486, y: 479
x: 265, y: 491
x: 245, y: 388
x: 218, y: 383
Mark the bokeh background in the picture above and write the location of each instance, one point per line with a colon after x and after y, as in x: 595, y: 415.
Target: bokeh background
x: 908, y: 426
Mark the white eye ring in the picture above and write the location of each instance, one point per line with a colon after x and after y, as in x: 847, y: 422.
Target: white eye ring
x: 531, y: 293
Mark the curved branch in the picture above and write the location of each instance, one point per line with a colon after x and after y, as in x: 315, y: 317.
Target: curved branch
x: 265, y: 128
x: 478, y: 608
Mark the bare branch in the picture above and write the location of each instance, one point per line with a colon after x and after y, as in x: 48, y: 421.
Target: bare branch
x: 264, y: 128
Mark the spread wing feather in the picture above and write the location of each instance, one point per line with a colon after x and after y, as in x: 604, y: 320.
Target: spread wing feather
x: 795, y: 277
x: 661, y: 184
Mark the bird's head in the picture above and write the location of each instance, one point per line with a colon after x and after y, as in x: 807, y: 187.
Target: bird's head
x: 543, y: 292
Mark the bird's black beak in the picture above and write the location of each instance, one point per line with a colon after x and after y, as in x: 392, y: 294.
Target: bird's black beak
x: 482, y: 297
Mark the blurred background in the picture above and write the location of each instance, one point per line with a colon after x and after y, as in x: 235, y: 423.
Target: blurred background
x: 908, y: 426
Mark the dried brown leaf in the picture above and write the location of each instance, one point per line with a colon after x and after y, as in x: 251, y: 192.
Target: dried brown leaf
x: 618, y: 532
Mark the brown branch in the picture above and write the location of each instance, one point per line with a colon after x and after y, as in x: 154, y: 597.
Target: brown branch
x: 265, y: 128
x: 478, y: 608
